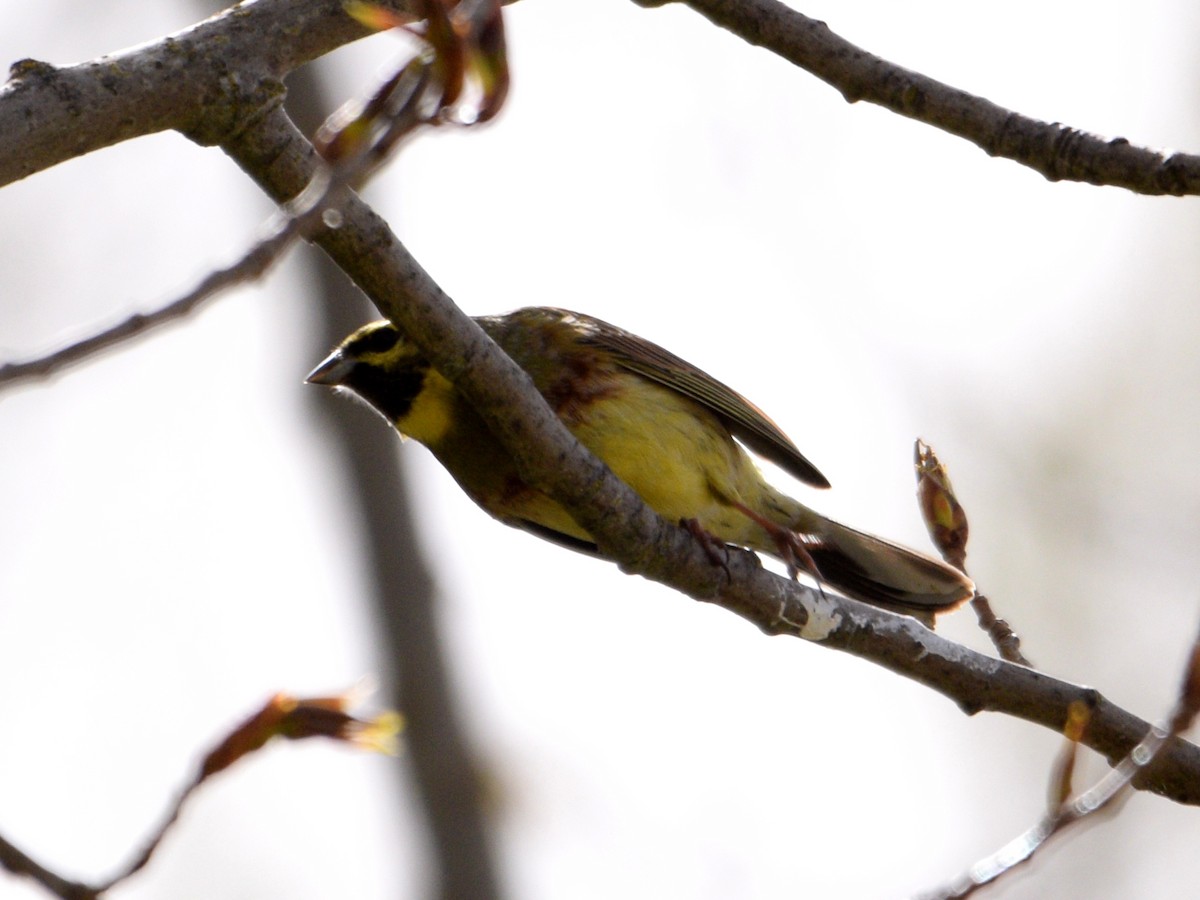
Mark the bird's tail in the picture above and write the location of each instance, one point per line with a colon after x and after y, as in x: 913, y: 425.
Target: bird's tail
x: 880, y: 572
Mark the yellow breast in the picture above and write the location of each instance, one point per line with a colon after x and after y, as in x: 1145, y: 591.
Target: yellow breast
x: 432, y: 412
x: 672, y: 451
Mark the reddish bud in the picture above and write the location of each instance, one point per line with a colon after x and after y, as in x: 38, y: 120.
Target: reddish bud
x: 944, y: 516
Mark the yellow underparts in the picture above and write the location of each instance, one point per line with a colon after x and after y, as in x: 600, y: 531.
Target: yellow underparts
x: 431, y: 415
x: 677, y: 456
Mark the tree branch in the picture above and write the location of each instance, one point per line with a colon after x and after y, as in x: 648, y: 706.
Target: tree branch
x: 1057, y: 151
x: 253, y: 265
x: 254, y: 131
x: 1063, y: 811
x: 548, y: 457
x: 18, y: 862
x: 206, y: 81
x: 282, y: 716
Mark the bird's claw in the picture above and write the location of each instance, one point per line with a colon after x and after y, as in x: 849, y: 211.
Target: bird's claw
x: 714, y: 548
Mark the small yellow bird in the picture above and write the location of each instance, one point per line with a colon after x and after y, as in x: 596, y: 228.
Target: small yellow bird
x: 668, y: 429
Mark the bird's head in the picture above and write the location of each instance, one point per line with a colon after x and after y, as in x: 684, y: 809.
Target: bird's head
x: 380, y: 365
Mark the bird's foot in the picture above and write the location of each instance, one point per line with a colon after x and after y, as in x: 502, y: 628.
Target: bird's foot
x: 791, y: 545
x: 713, y: 546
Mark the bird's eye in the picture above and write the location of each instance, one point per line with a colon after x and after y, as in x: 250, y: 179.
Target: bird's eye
x: 380, y: 339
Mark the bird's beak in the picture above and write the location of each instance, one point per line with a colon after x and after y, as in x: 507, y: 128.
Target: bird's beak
x: 332, y: 371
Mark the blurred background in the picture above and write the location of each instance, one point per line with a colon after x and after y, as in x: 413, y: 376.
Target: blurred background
x: 179, y: 540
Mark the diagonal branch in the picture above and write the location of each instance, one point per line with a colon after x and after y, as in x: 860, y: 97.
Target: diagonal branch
x: 14, y: 860
x: 1064, y: 812
x: 283, y: 716
x: 206, y: 81
x: 1057, y: 151
x: 254, y: 264
x: 280, y: 160
x: 252, y: 129
x: 209, y: 81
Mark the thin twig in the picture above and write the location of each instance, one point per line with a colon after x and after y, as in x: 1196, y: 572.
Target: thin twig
x: 282, y: 716
x: 1003, y: 638
x: 1064, y: 812
x: 946, y: 521
x: 251, y: 266
x: 20, y: 863
x: 280, y: 232
x: 1057, y: 151
x: 314, y: 208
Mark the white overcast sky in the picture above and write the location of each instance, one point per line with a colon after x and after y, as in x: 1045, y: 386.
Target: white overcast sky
x: 174, y: 546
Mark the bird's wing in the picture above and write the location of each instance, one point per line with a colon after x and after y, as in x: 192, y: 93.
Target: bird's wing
x: 579, y: 545
x: 745, y: 421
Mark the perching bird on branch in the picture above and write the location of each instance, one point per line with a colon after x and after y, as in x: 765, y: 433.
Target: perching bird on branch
x: 668, y: 429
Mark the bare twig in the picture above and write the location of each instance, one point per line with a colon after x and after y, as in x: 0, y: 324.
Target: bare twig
x: 19, y: 863
x: 1003, y: 638
x: 1063, y: 811
x: 280, y: 232
x: 946, y: 521
x: 407, y: 107
x: 210, y: 81
x: 251, y: 266
x: 282, y: 716
x: 206, y: 81
x: 1057, y: 151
